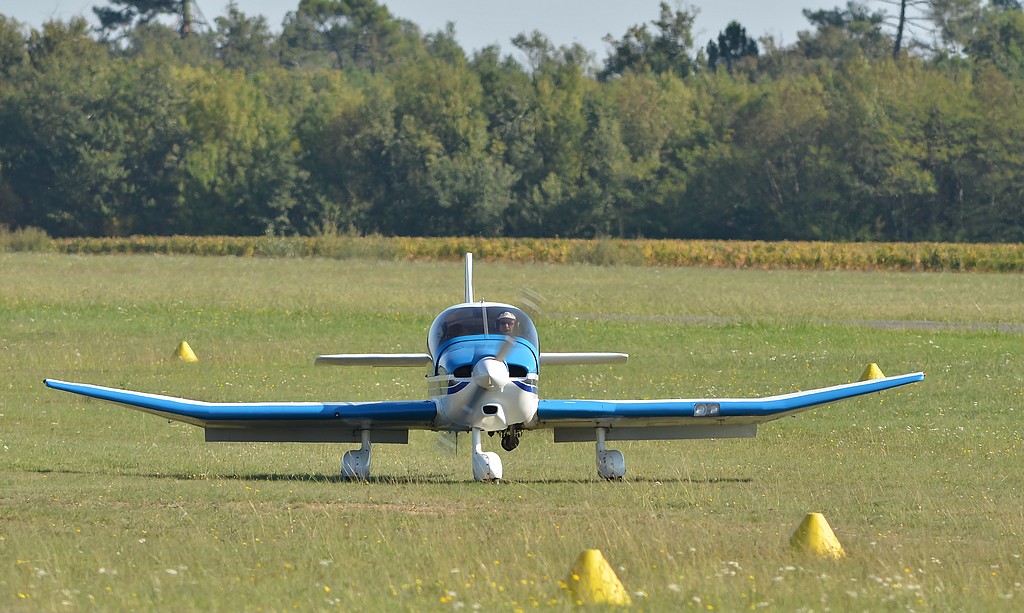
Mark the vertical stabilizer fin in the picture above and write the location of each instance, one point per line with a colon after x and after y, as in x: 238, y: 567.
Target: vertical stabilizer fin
x: 469, y: 277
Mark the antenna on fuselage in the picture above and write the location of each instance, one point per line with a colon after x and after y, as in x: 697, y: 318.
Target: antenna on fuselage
x: 469, y: 277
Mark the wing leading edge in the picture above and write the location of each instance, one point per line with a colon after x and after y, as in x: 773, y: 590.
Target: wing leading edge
x: 705, y: 415
x: 271, y: 421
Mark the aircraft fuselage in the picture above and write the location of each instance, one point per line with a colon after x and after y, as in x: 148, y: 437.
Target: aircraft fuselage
x: 484, y: 372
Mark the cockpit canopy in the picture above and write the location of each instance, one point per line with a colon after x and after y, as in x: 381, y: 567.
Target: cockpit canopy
x: 475, y: 319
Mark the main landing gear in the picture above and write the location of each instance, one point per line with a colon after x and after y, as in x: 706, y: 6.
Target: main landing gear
x: 487, y: 465
x: 610, y: 463
x: 355, y: 464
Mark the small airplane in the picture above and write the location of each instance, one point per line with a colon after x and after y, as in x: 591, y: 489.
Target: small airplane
x: 483, y: 366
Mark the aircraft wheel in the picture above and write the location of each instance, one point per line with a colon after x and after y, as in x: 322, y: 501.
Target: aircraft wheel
x: 611, y: 465
x: 510, y: 440
x: 487, y: 467
x: 355, y: 465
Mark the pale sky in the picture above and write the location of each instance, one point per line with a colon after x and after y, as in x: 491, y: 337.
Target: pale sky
x: 479, y: 23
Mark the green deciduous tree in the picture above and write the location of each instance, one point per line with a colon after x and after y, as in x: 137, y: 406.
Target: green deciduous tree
x: 352, y: 120
x: 12, y: 46
x: 667, y: 50
x: 557, y: 126
x: 237, y: 164
x: 841, y: 33
x: 999, y: 40
x: 63, y: 153
x: 344, y: 133
x: 995, y: 185
x: 657, y: 126
x: 123, y: 15
x: 243, y: 41
x: 955, y: 22
x: 346, y: 34
x: 442, y: 153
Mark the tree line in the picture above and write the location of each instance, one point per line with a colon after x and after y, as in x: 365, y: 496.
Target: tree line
x: 352, y: 120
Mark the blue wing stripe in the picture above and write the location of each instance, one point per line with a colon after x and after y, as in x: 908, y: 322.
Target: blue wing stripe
x: 415, y: 412
x: 756, y: 409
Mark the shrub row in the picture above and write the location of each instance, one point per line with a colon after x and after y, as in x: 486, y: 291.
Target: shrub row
x: 724, y: 254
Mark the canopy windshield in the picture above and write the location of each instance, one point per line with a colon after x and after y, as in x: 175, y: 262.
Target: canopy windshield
x: 476, y: 319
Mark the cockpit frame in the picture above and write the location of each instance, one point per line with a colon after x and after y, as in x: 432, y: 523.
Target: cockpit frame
x: 476, y: 319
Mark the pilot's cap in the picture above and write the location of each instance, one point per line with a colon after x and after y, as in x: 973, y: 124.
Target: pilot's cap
x: 507, y: 316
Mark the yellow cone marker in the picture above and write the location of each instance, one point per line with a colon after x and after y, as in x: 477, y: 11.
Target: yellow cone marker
x: 814, y: 535
x: 592, y: 581
x: 184, y: 352
x: 872, y: 372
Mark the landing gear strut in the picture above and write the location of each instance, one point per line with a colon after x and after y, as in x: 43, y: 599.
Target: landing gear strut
x: 486, y: 465
x: 510, y: 437
x: 610, y: 463
x: 355, y: 464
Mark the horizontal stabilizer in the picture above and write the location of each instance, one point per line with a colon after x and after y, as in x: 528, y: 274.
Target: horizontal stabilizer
x: 581, y: 358
x: 375, y: 359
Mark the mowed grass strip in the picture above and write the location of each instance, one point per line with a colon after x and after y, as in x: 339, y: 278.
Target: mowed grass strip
x: 106, y: 508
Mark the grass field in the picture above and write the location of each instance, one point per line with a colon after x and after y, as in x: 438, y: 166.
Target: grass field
x: 110, y: 509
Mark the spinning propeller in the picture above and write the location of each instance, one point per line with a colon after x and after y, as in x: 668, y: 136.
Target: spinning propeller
x: 489, y: 373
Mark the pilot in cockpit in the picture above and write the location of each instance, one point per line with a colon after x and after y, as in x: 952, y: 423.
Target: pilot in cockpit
x: 506, y: 323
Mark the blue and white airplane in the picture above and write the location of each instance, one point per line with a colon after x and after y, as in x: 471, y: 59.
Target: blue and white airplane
x: 483, y: 366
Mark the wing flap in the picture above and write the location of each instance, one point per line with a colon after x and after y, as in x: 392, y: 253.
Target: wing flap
x: 703, y: 412
x: 282, y: 416
x: 302, y: 434
x: 656, y: 433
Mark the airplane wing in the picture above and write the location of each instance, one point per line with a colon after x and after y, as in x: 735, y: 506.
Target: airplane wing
x: 375, y: 359
x: 326, y: 422
x: 576, y: 420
